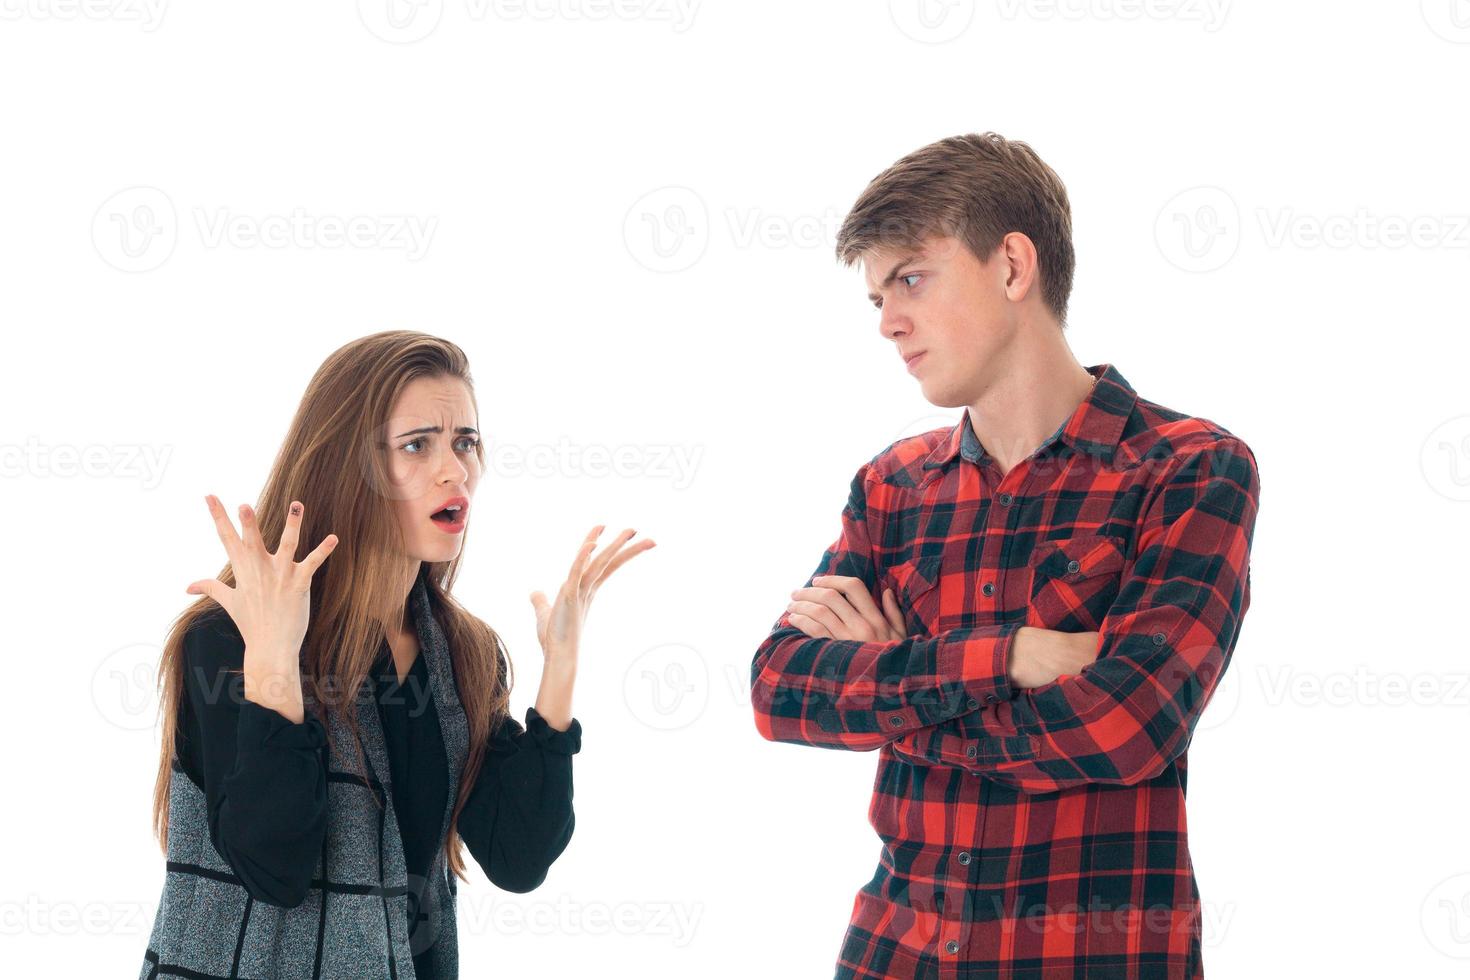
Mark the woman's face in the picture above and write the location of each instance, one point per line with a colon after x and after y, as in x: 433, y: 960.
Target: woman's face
x: 433, y: 462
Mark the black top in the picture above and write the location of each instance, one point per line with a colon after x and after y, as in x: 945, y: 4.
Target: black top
x: 264, y: 779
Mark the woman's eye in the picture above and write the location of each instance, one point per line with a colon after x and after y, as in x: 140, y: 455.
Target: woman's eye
x: 411, y: 442
x: 469, y: 442
x: 911, y: 275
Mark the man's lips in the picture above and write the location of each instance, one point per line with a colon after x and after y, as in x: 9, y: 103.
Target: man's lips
x: 909, y: 357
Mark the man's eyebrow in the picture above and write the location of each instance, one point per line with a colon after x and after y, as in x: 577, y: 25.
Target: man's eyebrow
x: 893, y: 273
x: 463, y: 430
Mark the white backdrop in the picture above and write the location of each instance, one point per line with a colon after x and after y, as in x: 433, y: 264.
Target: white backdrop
x: 624, y: 212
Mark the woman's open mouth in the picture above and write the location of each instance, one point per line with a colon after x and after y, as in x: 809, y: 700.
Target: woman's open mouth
x: 451, y: 517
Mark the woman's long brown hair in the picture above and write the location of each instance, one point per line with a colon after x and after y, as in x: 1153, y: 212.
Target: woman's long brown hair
x: 334, y: 460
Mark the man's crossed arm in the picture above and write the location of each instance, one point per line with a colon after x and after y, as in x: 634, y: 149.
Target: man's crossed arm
x: 1035, y: 709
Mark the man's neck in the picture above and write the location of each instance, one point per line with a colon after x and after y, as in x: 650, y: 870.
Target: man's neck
x: 1025, y: 402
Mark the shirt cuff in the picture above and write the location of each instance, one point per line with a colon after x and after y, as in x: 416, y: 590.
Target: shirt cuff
x: 262, y: 727
x: 979, y: 658
x: 568, y: 742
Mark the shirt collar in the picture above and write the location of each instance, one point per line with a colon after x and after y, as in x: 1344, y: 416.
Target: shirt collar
x: 1094, y: 427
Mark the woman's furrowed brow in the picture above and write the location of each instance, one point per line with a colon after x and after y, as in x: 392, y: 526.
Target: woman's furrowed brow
x: 463, y: 430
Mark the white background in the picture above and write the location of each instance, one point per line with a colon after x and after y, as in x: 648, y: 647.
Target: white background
x: 1244, y: 177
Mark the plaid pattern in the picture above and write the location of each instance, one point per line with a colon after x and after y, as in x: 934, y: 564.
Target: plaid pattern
x: 354, y: 922
x: 1030, y: 833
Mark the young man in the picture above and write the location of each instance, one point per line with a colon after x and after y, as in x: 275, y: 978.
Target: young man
x: 1025, y: 613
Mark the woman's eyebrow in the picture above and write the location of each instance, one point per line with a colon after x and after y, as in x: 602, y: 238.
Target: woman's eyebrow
x: 463, y: 430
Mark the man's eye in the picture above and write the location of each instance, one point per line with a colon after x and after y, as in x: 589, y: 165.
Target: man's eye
x: 911, y: 275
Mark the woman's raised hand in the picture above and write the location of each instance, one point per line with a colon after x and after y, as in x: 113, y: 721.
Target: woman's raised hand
x: 270, y: 603
x: 559, y: 624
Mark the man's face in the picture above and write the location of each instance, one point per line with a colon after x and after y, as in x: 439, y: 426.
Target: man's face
x: 942, y: 303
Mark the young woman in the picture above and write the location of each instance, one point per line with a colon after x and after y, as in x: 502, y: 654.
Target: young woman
x: 334, y: 722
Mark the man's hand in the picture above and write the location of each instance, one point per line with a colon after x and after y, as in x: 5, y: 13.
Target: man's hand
x: 1040, y: 656
x: 839, y: 607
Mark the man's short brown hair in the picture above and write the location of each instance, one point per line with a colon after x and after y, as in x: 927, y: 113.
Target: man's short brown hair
x: 978, y: 188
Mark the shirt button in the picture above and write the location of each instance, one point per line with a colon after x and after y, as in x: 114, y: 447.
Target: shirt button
x: 1159, y: 639
x: 972, y: 704
x: 952, y: 947
x: 988, y: 588
x: 969, y: 751
x: 1073, y: 565
x: 895, y: 720
x: 1005, y: 499
x: 963, y: 857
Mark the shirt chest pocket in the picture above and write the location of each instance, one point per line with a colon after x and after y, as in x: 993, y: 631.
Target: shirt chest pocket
x: 915, y: 584
x: 1071, y: 583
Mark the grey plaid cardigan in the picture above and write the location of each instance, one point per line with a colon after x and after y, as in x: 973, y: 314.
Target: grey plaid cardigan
x: 354, y: 922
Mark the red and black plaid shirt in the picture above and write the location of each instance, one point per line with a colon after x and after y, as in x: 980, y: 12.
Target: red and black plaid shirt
x: 1030, y: 833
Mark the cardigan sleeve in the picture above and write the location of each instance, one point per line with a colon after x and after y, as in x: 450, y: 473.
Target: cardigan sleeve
x: 263, y: 776
x: 518, y: 817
